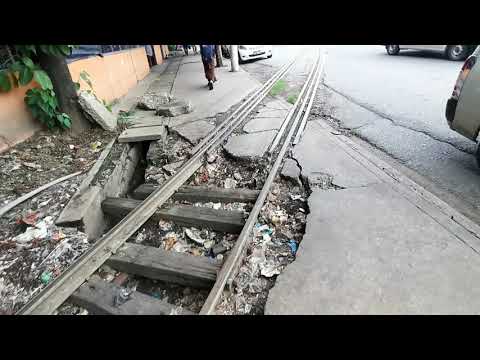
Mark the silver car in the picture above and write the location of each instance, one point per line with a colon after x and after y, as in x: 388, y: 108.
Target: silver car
x: 462, y: 111
x: 452, y: 52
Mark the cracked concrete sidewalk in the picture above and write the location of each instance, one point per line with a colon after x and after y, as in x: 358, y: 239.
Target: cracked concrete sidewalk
x: 370, y: 249
x: 183, y: 78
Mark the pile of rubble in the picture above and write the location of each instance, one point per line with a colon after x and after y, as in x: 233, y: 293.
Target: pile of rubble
x: 273, y: 246
x: 34, y: 251
x: 164, y: 157
x: 224, y: 172
x: 164, y: 104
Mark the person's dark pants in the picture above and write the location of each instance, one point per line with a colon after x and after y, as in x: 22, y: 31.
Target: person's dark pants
x: 209, y: 68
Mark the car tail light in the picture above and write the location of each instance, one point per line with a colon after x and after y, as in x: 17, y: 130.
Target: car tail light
x: 467, y: 66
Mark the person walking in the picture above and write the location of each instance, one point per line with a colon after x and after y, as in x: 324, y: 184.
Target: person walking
x: 208, y: 60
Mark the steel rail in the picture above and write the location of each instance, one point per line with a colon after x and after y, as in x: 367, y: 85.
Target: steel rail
x: 62, y: 287
x: 233, y: 260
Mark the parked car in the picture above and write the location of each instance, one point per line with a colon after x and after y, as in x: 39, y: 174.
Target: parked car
x: 462, y: 110
x: 249, y: 52
x: 452, y: 52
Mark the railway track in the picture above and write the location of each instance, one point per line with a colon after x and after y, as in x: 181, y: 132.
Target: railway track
x: 77, y: 284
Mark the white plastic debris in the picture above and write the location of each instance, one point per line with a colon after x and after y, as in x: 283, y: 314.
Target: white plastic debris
x: 194, y: 235
x: 211, y: 158
x: 140, y: 238
x: 269, y: 269
x: 165, y: 225
x: 39, y: 231
x: 208, y: 244
x: 179, y: 247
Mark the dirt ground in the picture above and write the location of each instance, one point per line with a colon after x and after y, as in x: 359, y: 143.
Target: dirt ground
x: 33, y: 250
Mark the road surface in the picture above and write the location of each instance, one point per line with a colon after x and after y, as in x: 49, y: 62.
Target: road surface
x: 396, y: 104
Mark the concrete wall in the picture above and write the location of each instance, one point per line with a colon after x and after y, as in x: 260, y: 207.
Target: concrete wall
x: 111, y: 76
x: 114, y: 74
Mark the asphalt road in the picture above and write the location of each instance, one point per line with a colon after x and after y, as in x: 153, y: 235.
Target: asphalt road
x: 396, y: 104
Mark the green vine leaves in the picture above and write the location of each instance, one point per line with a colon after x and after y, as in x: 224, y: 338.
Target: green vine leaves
x: 41, y: 100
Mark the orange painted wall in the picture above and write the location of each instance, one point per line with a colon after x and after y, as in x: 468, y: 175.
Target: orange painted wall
x: 16, y: 122
x: 112, y: 77
x: 114, y: 74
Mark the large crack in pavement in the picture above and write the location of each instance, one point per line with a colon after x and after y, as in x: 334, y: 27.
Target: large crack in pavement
x: 382, y: 115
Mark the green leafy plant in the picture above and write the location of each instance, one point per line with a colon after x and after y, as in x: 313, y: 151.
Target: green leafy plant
x: 41, y: 101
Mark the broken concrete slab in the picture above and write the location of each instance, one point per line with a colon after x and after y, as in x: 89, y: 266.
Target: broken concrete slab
x: 329, y: 159
x: 84, y: 211
x: 142, y: 134
x: 291, y: 171
x: 193, y: 132
x: 151, y: 101
x: 369, y: 250
x: 147, y: 121
x: 121, y: 181
x: 97, y: 111
x: 174, y: 108
x: 263, y: 124
x: 249, y: 146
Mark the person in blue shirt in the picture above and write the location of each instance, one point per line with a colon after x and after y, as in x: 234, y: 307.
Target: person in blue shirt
x: 208, y: 59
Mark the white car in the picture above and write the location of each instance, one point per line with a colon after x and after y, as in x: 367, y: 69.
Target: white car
x: 249, y: 52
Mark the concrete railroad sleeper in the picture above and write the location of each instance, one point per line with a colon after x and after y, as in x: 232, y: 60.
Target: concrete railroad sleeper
x: 71, y: 280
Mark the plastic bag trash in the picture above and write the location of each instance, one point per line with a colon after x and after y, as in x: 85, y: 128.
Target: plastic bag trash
x: 269, y: 269
x: 208, y: 244
x: 296, y: 197
x: 165, y: 225
x: 293, y: 246
x: 122, y: 296
x: 195, y: 236
x: 140, y: 238
x: 260, y: 229
x: 46, y: 277
x: 179, y: 247
x: 39, y: 231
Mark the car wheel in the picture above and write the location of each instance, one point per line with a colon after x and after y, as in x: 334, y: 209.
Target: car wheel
x: 240, y: 61
x: 392, y: 49
x: 457, y: 52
